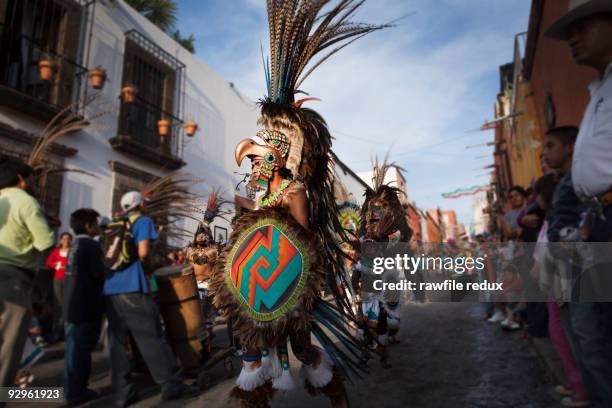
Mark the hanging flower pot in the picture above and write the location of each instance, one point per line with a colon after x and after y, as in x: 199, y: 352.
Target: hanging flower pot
x: 163, y: 127
x: 191, y: 127
x: 97, y: 77
x: 46, y: 69
x: 128, y: 93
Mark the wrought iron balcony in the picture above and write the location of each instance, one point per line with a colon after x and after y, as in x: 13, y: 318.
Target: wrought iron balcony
x: 138, y: 134
x: 21, y: 85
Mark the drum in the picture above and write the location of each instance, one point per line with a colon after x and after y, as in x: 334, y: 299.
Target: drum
x: 180, y: 308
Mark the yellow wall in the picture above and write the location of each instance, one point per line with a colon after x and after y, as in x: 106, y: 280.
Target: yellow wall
x: 524, y: 158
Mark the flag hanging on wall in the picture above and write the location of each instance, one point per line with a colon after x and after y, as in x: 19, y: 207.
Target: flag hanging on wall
x: 463, y: 192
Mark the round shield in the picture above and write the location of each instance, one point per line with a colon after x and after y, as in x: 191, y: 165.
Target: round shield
x: 269, y: 275
x: 267, y: 269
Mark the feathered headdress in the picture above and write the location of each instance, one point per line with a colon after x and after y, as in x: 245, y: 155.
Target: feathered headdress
x: 299, y: 32
x: 395, y: 218
x: 213, y: 209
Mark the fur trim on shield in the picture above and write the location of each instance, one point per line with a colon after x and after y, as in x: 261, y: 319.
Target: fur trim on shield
x: 285, y: 382
x: 254, y: 333
x: 271, y: 363
x: 251, y: 377
x: 258, y: 398
x: 320, y: 375
x: 334, y: 389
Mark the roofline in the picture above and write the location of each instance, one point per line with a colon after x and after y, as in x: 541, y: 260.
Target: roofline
x: 347, y: 170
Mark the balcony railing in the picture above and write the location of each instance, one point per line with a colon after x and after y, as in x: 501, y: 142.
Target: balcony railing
x: 138, y: 134
x: 21, y: 86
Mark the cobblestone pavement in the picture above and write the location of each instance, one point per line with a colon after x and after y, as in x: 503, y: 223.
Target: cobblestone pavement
x: 448, y: 357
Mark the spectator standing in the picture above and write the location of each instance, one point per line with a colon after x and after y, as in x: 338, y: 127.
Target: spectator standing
x: 83, y: 305
x: 587, y: 28
x: 57, y: 262
x: 130, y: 309
x: 511, y: 231
x: 510, y: 227
x: 566, y: 206
x: 574, y: 391
x: 23, y: 235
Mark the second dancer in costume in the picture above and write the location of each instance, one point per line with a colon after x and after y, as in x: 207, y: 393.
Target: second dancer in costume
x: 384, y: 232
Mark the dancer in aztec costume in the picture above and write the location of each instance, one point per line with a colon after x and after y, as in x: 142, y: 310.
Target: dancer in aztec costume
x: 285, y: 253
x: 383, y: 221
x: 201, y: 254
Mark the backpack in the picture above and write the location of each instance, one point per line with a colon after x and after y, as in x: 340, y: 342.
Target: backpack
x: 117, y: 240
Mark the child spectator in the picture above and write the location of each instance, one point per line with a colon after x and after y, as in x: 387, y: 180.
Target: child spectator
x: 83, y: 305
x: 574, y: 391
x: 566, y: 206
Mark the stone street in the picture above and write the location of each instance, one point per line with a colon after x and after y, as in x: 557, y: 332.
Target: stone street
x: 448, y: 357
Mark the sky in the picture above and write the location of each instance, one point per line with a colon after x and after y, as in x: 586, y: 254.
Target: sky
x: 417, y: 90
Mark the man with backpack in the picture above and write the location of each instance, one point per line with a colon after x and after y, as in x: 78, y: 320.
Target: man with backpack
x: 130, y: 307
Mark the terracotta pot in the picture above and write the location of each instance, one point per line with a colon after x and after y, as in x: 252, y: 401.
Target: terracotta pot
x: 191, y: 127
x: 163, y: 127
x: 46, y: 69
x: 97, y: 78
x: 128, y: 93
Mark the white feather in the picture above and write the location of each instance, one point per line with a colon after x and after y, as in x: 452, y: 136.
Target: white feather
x: 321, y: 375
x: 251, y: 378
x: 285, y: 382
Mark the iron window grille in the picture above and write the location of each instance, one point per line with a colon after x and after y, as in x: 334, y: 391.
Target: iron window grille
x: 35, y: 30
x: 160, y: 81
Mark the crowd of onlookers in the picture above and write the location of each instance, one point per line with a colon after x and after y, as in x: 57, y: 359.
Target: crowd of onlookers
x: 84, y: 289
x: 542, y: 227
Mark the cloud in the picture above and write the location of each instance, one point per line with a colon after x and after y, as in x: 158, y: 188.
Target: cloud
x: 416, y: 87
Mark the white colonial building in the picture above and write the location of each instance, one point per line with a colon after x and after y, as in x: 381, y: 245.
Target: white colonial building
x: 123, y: 148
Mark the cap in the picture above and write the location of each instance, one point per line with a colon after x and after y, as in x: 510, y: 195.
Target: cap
x: 131, y: 201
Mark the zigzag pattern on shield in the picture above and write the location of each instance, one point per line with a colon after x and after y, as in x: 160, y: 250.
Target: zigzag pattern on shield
x: 267, y: 269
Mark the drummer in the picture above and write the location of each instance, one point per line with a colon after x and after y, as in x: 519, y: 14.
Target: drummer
x: 201, y: 255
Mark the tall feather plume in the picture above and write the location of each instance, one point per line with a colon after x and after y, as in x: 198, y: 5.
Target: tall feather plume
x: 214, y: 206
x: 65, y: 123
x: 299, y: 31
x: 170, y: 200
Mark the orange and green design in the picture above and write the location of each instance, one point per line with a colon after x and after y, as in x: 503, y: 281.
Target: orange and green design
x: 267, y: 269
